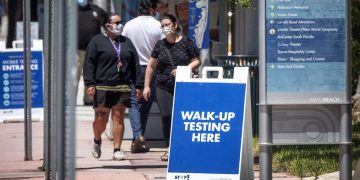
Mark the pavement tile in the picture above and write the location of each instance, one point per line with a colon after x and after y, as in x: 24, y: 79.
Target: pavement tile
x: 109, y: 176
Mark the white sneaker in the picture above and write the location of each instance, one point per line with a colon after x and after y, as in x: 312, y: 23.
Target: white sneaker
x: 96, y: 150
x: 118, y: 155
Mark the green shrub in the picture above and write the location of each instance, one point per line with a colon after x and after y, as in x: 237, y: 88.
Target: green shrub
x: 313, y: 160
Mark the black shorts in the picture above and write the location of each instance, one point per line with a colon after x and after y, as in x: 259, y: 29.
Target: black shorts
x: 111, y: 98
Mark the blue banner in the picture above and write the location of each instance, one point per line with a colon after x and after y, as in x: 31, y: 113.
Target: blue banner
x: 12, y: 79
x: 207, y: 130
x: 199, y: 23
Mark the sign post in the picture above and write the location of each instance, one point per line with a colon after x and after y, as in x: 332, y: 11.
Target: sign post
x: 304, y: 77
x: 306, y: 52
x: 211, y: 127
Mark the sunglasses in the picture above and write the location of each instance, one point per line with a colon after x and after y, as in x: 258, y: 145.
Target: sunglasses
x: 118, y: 22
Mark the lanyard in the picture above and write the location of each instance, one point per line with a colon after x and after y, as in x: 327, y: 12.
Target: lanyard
x: 118, y: 50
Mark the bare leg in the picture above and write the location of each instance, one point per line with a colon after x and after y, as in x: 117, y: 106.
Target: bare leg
x: 101, y: 119
x: 117, y: 113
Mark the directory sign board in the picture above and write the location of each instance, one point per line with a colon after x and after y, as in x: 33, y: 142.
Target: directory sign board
x: 306, y: 52
x: 12, y: 82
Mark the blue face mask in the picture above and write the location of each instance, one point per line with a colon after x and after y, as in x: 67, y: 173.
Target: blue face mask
x: 82, y: 3
x: 157, y: 16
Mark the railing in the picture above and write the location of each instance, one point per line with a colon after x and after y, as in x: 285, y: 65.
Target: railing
x: 229, y: 62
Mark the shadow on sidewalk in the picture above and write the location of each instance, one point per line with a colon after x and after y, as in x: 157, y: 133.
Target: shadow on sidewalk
x: 125, y: 167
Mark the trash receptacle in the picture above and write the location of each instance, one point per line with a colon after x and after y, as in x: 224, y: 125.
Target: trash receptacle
x: 252, y: 61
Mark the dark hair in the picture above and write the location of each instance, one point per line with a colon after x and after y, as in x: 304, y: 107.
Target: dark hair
x: 108, y: 20
x: 145, y: 5
x: 173, y: 19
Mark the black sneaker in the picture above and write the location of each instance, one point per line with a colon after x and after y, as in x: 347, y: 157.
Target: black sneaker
x: 139, y: 146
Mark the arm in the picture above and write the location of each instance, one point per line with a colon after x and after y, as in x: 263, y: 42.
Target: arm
x: 194, y: 54
x: 195, y: 63
x: 148, y: 76
x: 89, y: 68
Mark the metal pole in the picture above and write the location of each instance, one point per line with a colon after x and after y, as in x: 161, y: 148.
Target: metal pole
x: 230, y: 25
x: 265, y: 142
x: 265, y: 110
x: 46, y: 85
x: 52, y: 128
x: 59, y: 107
x: 27, y: 80
x: 345, y: 109
x: 71, y: 85
x: 49, y: 132
x: 66, y: 72
x: 345, y: 143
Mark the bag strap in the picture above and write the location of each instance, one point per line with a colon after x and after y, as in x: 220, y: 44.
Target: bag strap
x: 194, y: 73
x: 170, y: 58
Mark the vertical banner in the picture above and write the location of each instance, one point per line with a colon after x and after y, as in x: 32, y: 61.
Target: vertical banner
x: 207, y: 132
x: 12, y: 82
x: 199, y: 23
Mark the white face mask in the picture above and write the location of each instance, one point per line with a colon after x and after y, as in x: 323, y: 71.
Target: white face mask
x: 167, y: 30
x: 118, y: 29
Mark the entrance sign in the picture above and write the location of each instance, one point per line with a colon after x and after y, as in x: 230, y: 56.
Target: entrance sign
x: 12, y: 85
x: 306, y: 52
x: 210, y: 134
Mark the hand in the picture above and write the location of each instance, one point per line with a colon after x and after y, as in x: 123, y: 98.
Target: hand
x: 90, y: 91
x: 138, y: 93
x: 146, y: 93
x: 173, y: 72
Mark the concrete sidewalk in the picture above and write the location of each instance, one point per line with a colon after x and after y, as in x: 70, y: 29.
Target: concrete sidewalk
x: 145, y: 166
x: 136, y: 167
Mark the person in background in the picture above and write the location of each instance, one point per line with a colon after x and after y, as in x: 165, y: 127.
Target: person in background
x: 111, y: 65
x: 91, y: 19
x: 144, y: 31
x: 174, y: 50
